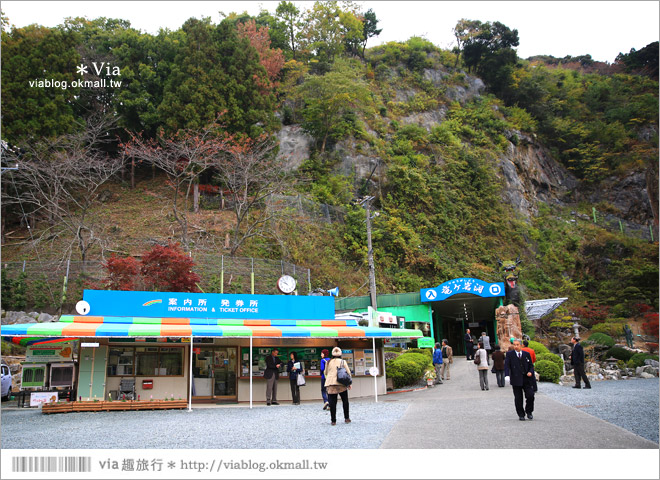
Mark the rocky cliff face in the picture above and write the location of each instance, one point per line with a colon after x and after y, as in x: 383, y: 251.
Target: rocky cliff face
x: 529, y: 172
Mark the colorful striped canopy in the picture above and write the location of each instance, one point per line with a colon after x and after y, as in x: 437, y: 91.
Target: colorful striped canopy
x: 28, y: 341
x: 101, y: 326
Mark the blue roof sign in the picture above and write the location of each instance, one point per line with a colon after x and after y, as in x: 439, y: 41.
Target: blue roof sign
x: 462, y: 285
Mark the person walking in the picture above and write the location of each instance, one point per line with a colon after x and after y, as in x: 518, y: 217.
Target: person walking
x: 519, y: 372
x: 324, y: 392
x: 498, y: 365
x: 293, y: 368
x: 447, y: 359
x: 577, y: 360
x: 482, y: 365
x: 335, y: 388
x: 532, y: 353
x: 437, y: 363
x: 485, y: 339
x: 272, y: 375
x: 469, y: 346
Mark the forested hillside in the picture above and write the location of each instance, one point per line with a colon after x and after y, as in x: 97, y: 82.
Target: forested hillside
x: 472, y: 155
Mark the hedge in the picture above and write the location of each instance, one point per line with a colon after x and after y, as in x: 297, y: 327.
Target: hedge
x: 619, y: 353
x: 609, y: 328
x: 638, y: 358
x: 551, y: 357
x: 424, y: 351
x: 600, y: 339
x: 408, y: 368
x: 538, y: 347
x: 548, y: 371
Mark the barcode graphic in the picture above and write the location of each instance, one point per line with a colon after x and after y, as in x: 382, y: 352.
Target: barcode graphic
x: 51, y: 464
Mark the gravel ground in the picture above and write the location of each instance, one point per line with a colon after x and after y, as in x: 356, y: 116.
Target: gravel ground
x: 283, y: 426
x: 631, y: 404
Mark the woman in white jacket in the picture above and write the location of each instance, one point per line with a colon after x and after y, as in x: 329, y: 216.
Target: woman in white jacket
x: 482, y: 367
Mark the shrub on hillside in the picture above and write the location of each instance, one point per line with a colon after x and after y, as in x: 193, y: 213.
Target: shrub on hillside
x: 407, y: 369
x: 638, y: 358
x: 608, y: 328
x: 538, y: 347
x: 548, y: 370
x: 550, y: 357
x: 619, y: 353
x: 600, y: 339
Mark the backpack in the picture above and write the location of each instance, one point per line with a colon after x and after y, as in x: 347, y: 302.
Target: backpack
x: 477, y: 359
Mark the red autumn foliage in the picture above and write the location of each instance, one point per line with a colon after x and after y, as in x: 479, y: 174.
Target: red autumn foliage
x: 163, y: 269
x: 592, y: 314
x: 123, y: 273
x: 271, y: 59
x: 652, y: 347
x: 169, y: 269
x: 650, y: 326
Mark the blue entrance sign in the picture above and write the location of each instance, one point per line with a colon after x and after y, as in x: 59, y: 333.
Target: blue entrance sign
x: 208, y: 305
x: 462, y: 285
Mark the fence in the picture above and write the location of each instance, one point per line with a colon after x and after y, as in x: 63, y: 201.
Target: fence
x: 50, y: 285
x: 298, y: 204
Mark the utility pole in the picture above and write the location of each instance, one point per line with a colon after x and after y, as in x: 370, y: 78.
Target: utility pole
x: 370, y: 254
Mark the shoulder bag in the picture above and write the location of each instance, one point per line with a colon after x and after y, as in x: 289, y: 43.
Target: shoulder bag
x: 342, y: 375
x: 477, y: 358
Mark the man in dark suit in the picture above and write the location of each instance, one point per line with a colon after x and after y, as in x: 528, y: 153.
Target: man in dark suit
x: 469, y: 350
x: 577, y: 360
x: 272, y: 374
x: 519, y: 371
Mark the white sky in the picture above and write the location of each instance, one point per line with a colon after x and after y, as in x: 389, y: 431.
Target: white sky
x: 602, y: 29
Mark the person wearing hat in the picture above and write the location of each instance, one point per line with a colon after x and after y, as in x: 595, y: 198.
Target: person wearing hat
x: 272, y: 375
x: 324, y: 392
x: 335, y: 388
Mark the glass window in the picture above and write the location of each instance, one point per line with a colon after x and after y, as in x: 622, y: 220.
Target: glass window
x: 146, y: 361
x: 171, y: 361
x: 121, y: 361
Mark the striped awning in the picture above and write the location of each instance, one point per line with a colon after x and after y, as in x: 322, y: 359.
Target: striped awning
x: 103, y: 326
x: 29, y: 341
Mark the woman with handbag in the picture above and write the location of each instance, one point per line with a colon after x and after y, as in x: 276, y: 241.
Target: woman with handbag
x: 337, y: 382
x: 481, y: 361
x: 498, y: 365
x: 294, y: 368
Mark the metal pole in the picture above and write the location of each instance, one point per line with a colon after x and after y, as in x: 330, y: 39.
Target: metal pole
x: 191, y: 376
x: 23, y: 265
x: 593, y: 211
x: 373, y: 343
x: 651, y: 230
x: 250, y: 371
x: 252, y: 278
x: 620, y: 226
x: 222, y: 274
x: 370, y: 257
x: 309, y: 275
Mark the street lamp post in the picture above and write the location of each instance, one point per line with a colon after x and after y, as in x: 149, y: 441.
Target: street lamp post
x: 370, y: 253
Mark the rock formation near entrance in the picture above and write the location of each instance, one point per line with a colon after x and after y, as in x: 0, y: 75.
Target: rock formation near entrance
x: 508, y: 325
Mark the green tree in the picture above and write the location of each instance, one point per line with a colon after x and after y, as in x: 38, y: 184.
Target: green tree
x: 290, y: 16
x: 29, y: 55
x: 330, y: 102
x: 369, y: 28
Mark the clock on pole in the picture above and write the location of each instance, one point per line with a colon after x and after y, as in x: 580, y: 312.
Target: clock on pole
x: 286, y: 284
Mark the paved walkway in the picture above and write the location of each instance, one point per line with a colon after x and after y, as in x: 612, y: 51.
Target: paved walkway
x: 451, y: 415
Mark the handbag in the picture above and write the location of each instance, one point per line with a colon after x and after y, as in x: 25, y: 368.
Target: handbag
x: 477, y: 359
x: 300, y: 380
x: 342, y: 376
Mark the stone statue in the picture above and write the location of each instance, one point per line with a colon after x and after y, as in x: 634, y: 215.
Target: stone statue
x: 508, y: 325
x: 629, y: 335
x: 510, y: 276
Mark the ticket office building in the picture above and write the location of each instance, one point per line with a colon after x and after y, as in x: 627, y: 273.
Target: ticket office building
x: 162, y: 353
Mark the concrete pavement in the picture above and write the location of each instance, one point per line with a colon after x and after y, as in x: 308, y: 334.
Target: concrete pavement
x: 454, y: 414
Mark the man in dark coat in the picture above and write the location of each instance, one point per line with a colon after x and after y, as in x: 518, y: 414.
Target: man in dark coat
x: 577, y: 360
x: 519, y: 371
x: 469, y: 350
x: 272, y: 374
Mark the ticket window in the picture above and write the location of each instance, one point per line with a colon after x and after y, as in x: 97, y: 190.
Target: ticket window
x: 214, y: 371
